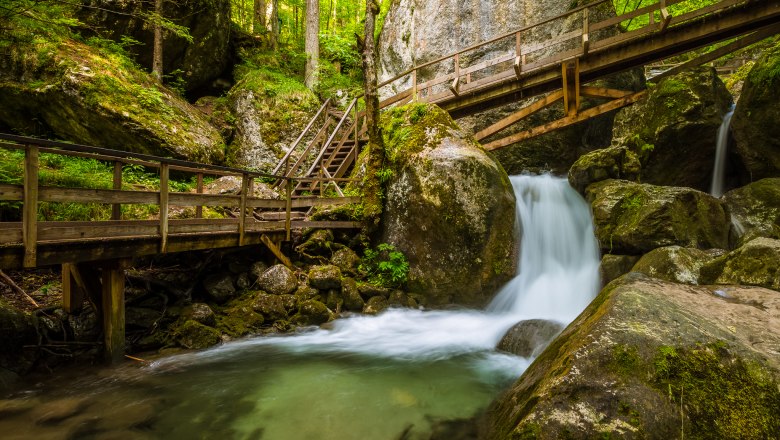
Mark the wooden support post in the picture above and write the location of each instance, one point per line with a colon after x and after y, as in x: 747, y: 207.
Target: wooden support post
x: 288, y: 209
x: 30, y: 206
x: 114, y: 310
x: 199, y: 190
x: 73, y: 291
x: 164, y: 171
x: 455, y: 86
x: 116, y: 208
x: 276, y: 251
x: 414, y: 85
x: 665, y: 17
x: 570, y: 74
x: 242, y: 208
x: 585, y: 32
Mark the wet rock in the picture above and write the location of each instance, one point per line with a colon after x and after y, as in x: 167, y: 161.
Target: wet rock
x: 375, y: 305
x: 621, y: 369
x: 325, y: 277
x: 278, y: 280
x: 529, y: 338
x: 202, y: 313
x: 242, y: 281
x: 755, y: 210
x: 312, y: 312
x: 304, y: 293
x: 290, y: 302
x: 219, y: 287
x: 270, y: 306
x: 351, y: 295
x: 399, y: 298
x: 141, y: 317
x: 613, y: 266
x: 347, y: 260
x: 55, y: 411
x: 368, y: 290
x: 334, y: 300
x: 195, y: 335
x: 608, y: 163
x: 633, y: 218
x: 756, y: 263
x: 257, y: 270
x: 674, y: 263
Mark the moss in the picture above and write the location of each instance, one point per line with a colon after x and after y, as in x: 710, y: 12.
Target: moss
x: 409, y: 129
x: 766, y: 71
x: 192, y: 334
x: 237, y: 318
x: 625, y: 359
x: 723, y: 395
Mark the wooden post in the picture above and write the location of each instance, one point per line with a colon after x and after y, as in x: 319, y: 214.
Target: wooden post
x: 570, y: 74
x: 414, y: 85
x: 518, y: 56
x: 114, y: 310
x: 116, y: 208
x: 585, y: 32
x: 199, y: 190
x: 73, y: 291
x: 242, y: 208
x: 276, y: 251
x: 665, y: 16
x: 30, y: 206
x: 288, y: 210
x: 455, y: 86
x: 164, y: 207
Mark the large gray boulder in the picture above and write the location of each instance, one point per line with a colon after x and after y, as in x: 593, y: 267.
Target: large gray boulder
x: 755, y: 210
x: 207, y: 21
x: 756, y: 263
x: 278, y: 280
x: 634, y: 218
x: 449, y: 207
x: 652, y: 359
x: 674, y: 263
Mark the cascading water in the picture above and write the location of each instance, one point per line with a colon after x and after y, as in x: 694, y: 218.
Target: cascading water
x: 384, y: 377
x: 721, y: 148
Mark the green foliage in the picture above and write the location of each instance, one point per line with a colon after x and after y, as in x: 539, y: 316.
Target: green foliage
x: 384, y: 175
x: 341, y: 49
x: 385, y: 266
x: 626, y: 6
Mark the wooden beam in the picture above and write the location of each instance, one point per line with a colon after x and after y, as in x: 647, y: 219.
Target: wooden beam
x: 569, y: 120
x: 11, y: 192
x: 288, y: 209
x: 113, y: 277
x: 73, y: 293
x: 602, y: 92
x: 521, y: 114
x: 116, y: 208
x: 242, y: 209
x: 30, y: 205
x: 585, y: 32
x: 276, y: 251
x: 665, y: 17
x: 199, y: 190
x: 164, y: 208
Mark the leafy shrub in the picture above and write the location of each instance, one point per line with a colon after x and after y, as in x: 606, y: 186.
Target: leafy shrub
x: 384, y: 266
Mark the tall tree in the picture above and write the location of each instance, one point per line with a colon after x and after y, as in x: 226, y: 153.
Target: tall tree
x: 157, y: 52
x: 312, y: 42
x: 259, y: 17
x: 274, y: 24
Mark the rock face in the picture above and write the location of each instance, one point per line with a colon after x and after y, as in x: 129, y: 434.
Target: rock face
x: 530, y: 337
x: 756, y: 263
x: 755, y: 210
x: 85, y: 96
x: 613, y: 266
x: 633, y: 218
x: 754, y: 124
x: 674, y: 129
x: 674, y: 263
x: 648, y: 359
x: 199, y: 61
x: 607, y: 163
x: 449, y: 207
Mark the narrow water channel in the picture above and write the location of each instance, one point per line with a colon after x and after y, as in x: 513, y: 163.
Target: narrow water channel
x: 397, y: 375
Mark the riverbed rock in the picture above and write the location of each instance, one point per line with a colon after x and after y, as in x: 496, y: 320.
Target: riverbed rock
x: 633, y: 218
x: 200, y: 312
x: 648, y: 358
x: 351, y: 295
x: 755, y: 210
x: 674, y: 129
x: 196, y: 63
x: 530, y: 337
x: 368, y: 290
x: 347, y: 260
x: 613, y: 266
x: 674, y: 263
x: 278, y: 280
x: 312, y: 312
x: 195, y: 335
x: 449, y: 207
x: 78, y: 93
x: 325, y: 277
x: 375, y: 304
x: 219, y: 287
x: 754, y: 124
x: 272, y: 307
x: 756, y: 263
x: 608, y: 163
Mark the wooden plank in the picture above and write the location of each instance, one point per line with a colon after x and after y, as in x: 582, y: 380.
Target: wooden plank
x: 164, y: 208
x: 326, y: 224
x: 401, y: 96
x: 11, y: 233
x: 489, y: 63
x: 191, y: 199
x: 276, y: 251
x: 265, y: 203
x: 266, y: 226
x: 88, y: 195
x: 665, y: 17
x: 602, y: 92
x: 306, y: 202
x: 113, y: 278
x: 116, y: 208
x: 10, y: 192
x: 585, y: 32
x: 569, y: 120
x: 199, y: 190
x: 521, y: 114
x: 288, y: 209
x: 30, y: 205
x: 72, y: 294
x: 435, y: 81
x: 55, y: 232
x: 531, y: 48
x: 245, y: 184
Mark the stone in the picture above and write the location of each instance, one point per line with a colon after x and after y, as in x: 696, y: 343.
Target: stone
x: 194, y: 335
x: 613, y: 266
x: 318, y: 247
x: 290, y: 302
x: 202, y: 313
x: 368, y: 290
x: 334, y: 300
x: 242, y: 281
x: 607, y: 163
x: 754, y: 125
x: 219, y: 287
x: 674, y: 129
x: 272, y: 307
x: 278, y: 280
x: 17, y: 329
x: 351, y: 294
x: 347, y: 260
x: 375, y: 305
x: 311, y: 312
x: 642, y: 347
x: 141, y: 317
x: 256, y: 270
x: 199, y: 62
x: 632, y: 218
x: 304, y: 293
x: 674, y: 263
x: 756, y: 263
x: 755, y: 210
x: 449, y: 207
x: 325, y: 277
x: 530, y: 337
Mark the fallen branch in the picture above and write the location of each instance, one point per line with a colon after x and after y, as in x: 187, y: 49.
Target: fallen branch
x: 10, y: 283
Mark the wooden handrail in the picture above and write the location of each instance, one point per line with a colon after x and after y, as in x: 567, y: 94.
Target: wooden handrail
x: 332, y: 136
x: 286, y: 157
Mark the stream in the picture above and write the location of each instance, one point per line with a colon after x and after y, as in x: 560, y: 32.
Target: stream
x: 401, y: 374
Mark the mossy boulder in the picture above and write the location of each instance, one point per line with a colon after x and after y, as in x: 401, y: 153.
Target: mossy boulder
x: 756, y: 263
x: 325, y: 277
x: 607, y: 163
x: 83, y: 94
x: 312, y: 312
x: 351, y: 295
x: 754, y: 125
x: 449, y: 207
x: 219, y: 287
x: 347, y: 260
x: 375, y: 304
x: 530, y: 337
x: 278, y: 280
x: 652, y: 359
x: 675, y: 263
x: 632, y: 218
x: 272, y: 307
x: 192, y: 334
x: 17, y: 329
x: 238, y: 318
x: 613, y: 266
x: 200, y: 312
x: 755, y: 210
x: 674, y: 129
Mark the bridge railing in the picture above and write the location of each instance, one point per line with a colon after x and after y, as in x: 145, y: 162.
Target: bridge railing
x: 536, y: 47
x: 256, y: 215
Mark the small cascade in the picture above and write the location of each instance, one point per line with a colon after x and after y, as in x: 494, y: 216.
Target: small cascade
x: 721, y: 148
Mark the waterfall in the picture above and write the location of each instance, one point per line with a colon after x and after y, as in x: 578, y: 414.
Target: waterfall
x: 721, y: 148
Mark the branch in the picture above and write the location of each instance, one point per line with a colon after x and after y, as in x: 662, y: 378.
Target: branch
x: 10, y: 283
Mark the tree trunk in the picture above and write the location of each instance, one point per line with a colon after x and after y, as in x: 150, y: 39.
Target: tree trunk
x: 259, y: 17
x: 372, y: 191
x: 275, y: 24
x: 312, y: 42
x: 157, y: 54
